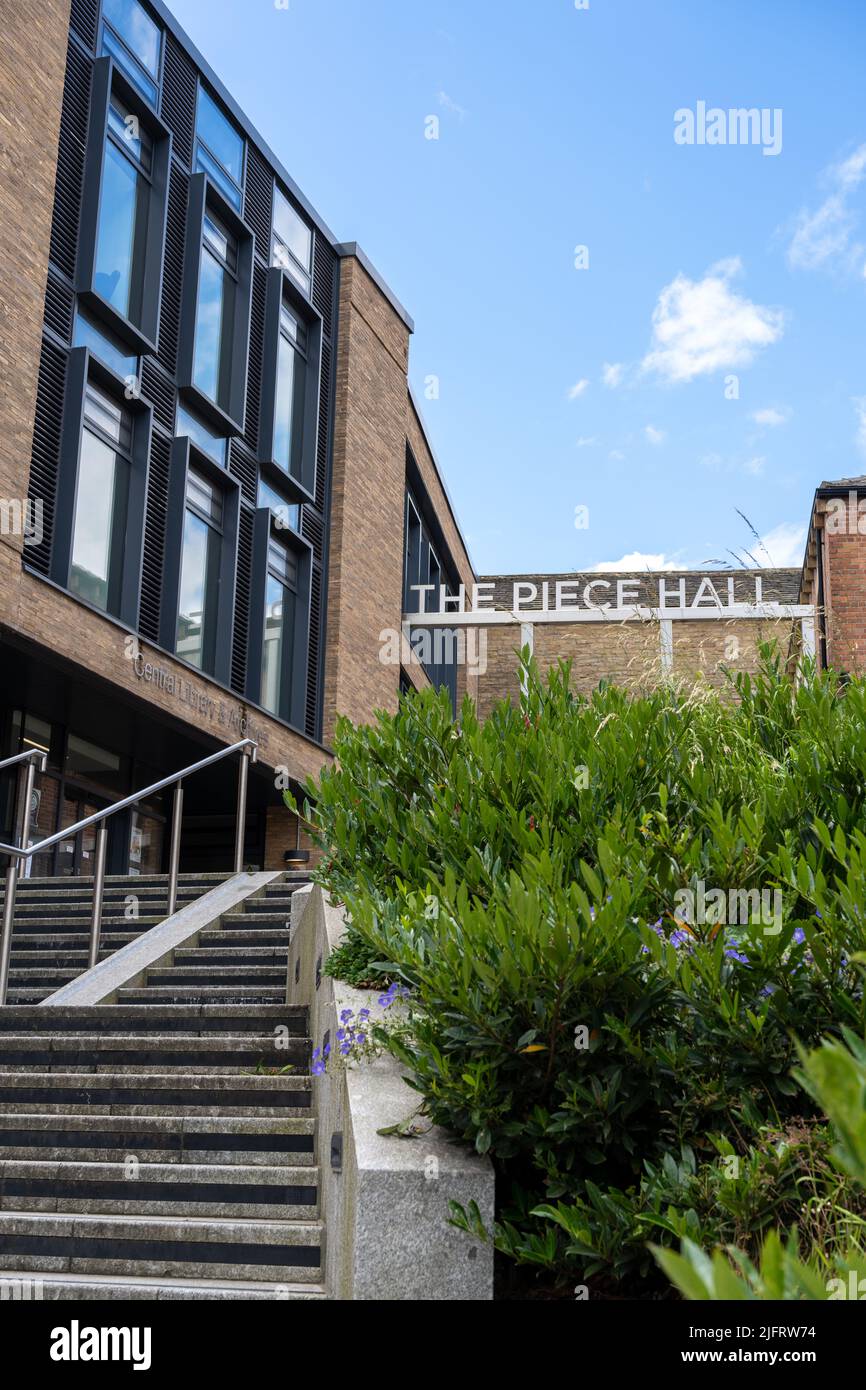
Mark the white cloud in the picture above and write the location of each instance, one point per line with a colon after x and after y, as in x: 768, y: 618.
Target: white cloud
x: 611, y: 374
x: 859, y: 403
x: 784, y: 546
x: 826, y: 234
x: 703, y: 326
x: 755, y: 466
x: 638, y: 560
x: 770, y: 417
x: 616, y: 456
x: 654, y: 436
x: 587, y: 441
x: 578, y: 389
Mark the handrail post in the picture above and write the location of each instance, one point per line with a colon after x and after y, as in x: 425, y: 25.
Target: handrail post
x: 98, y: 893
x: 241, y: 821
x: 6, y: 930
x: 174, y: 860
x: 12, y: 875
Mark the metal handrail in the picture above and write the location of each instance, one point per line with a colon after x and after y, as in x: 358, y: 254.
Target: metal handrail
x: 20, y: 853
x: 36, y: 754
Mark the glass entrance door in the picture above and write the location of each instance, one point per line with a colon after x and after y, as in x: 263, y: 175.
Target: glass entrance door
x: 76, y: 856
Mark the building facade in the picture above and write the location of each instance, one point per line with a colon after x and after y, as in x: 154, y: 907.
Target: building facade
x: 209, y: 453
x: 220, y: 512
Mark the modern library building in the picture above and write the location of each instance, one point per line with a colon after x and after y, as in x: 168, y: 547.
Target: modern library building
x: 217, y: 494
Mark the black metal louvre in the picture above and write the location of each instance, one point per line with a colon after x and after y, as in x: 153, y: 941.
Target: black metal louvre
x: 70, y: 161
x: 48, y: 420
x: 258, y: 202
x: 59, y: 301
x: 254, y: 361
x: 242, y: 601
x: 172, y: 267
x: 83, y: 20
x: 154, y: 536
x: 178, y: 99
x: 159, y: 390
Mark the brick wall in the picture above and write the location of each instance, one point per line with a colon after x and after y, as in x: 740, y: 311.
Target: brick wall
x: 845, y: 600
x: 365, y: 577
x: 32, y: 65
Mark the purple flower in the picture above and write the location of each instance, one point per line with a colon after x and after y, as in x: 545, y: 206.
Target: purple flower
x: 360, y: 1039
x: 734, y: 954
x: 318, y: 1069
x: 346, y: 1015
x: 364, y: 1013
x: 799, y: 936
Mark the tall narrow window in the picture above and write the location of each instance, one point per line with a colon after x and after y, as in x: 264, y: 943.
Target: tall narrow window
x: 133, y: 40
x: 291, y: 387
x: 215, y: 313
x: 199, y: 573
x: 101, y: 501
x: 219, y: 149
x: 121, y: 237
x: 293, y: 241
x: 281, y: 594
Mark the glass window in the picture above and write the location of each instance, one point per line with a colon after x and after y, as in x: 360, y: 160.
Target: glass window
x: 219, y: 148
x: 104, y: 346
x: 201, y: 434
x: 131, y: 37
x: 280, y: 602
x: 217, y: 292
x: 101, y: 501
x: 95, y: 764
x: 199, y: 574
x: 293, y: 241
x: 121, y: 236
x: 287, y: 515
x: 291, y: 386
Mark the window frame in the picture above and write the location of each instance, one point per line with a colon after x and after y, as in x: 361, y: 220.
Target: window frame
x: 293, y: 698
x: 300, y: 486
x: 205, y: 198
x: 110, y: 80
x: 149, y: 79
x: 183, y: 457
x: 199, y: 140
x: 84, y: 367
x: 304, y: 277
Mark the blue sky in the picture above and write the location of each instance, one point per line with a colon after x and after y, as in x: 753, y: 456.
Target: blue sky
x: 556, y: 130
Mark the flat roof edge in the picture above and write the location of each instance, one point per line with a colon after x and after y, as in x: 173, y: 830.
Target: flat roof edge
x: 345, y: 249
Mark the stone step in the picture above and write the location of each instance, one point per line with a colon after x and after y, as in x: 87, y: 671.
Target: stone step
x: 195, y: 994
x: 203, y: 1247
x: 267, y: 907
x: 236, y: 973
x: 255, y: 921
x: 79, y: 915
x: 155, y: 1093
x: 83, y: 1288
x: 147, y: 1188
x: 159, y: 1139
x: 191, y: 1019
x: 262, y: 936
x: 86, y: 1054
x: 216, y: 953
x: 53, y: 923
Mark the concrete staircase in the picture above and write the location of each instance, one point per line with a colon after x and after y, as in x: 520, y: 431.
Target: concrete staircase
x: 51, y: 932
x: 164, y: 1146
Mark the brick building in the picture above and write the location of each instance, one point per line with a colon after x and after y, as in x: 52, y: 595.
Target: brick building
x: 218, y: 499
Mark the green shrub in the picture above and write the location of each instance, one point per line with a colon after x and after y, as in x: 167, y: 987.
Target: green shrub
x: 522, y: 875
